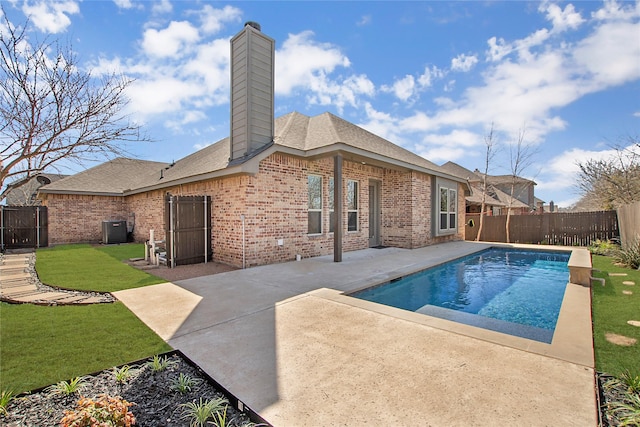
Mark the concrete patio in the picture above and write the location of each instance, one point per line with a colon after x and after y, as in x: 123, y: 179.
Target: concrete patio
x: 294, y: 349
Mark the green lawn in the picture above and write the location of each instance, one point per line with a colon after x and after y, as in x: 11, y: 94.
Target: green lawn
x: 42, y: 345
x: 89, y: 268
x: 611, y: 311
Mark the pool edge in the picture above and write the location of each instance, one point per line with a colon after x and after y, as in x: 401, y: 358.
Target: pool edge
x: 573, y: 337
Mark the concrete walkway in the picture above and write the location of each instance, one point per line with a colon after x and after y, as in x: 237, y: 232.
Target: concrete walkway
x: 19, y: 283
x: 284, y: 341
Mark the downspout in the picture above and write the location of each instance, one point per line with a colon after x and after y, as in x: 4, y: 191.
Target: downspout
x: 337, y: 210
x: 243, y: 244
x: 172, y: 233
x: 206, y: 249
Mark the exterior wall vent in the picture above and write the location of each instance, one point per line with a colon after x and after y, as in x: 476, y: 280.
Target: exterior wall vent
x: 252, y: 91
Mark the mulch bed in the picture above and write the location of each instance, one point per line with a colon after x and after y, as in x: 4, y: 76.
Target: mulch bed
x: 156, y: 403
x: 608, y: 396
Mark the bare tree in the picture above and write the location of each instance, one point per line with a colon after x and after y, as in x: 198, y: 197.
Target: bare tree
x: 614, y: 181
x: 521, y: 157
x: 51, y: 110
x: 489, y: 141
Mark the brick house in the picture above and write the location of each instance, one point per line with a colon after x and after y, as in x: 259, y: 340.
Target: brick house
x: 498, y: 195
x: 271, y: 183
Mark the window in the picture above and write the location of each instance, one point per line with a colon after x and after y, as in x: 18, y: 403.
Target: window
x: 447, y: 208
x: 352, y: 205
x: 315, y: 204
x: 331, y: 205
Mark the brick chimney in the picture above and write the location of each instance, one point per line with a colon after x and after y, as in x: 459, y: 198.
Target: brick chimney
x: 252, y: 92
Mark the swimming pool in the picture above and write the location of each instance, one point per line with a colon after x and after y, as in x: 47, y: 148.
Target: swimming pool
x: 518, y: 292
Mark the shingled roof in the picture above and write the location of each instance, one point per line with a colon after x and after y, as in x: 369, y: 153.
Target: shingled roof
x: 295, y: 133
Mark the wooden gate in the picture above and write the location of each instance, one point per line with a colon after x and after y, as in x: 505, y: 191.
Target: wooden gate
x: 188, y: 225
x: 24, y: 227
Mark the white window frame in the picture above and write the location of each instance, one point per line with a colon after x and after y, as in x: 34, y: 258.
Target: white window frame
x: 446, y: 212
x: 311, y: 209
x: 353, y: 209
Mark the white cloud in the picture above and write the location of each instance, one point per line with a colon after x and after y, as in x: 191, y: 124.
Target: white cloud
x: 365, y: 20
x: 305, y: 65
x: 403, y: 89
x: 608, y: 57
x: 213, y: 19
x: 123, y: 4
x: 613, y: 10
x: 51, y: 17
x: 426, y: 78
x: 408, y: 88
x: 562, y: 19
x: 162, y: 7
x: 463, y: 62
x: 302, y: 60
x: 171, y: 41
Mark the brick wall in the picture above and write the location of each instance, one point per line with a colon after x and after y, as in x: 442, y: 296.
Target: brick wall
x: 274, y: 205
x: 78, y: 219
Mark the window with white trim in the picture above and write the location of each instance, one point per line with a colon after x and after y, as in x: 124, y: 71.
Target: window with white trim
x: 314, y: 183
x: 352, y: 205
x: 447, y: 218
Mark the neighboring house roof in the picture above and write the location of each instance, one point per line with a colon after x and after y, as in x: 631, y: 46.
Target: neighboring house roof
x: 476, y: 198
x: 25, y: 194
x: 506, y: 199
x: 507, y: 179
x: 457, y: 170
x: 295, y: 134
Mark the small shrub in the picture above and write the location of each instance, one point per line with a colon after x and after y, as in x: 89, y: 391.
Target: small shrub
x: 627, y: 411
x: 6, y: 396
x: 627, y: 381
x: 199, y: 413
x: 183, y: 384
x: 104, y: 411
x: 64, y: 388
x: 603, y: 247
x: 629, y: 256
x: 159, y: 364
x: 123, y: 374
x: 220, y: 418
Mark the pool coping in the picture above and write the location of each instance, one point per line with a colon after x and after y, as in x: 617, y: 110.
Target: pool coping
x: 572, y: 340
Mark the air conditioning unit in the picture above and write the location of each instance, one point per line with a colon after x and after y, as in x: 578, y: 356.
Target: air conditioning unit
x: 114, y: 232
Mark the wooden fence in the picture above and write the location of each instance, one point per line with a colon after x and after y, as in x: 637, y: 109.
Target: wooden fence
x: 629, y: 221
x: 567, y: 229
x: 24, y: 227
x: 188, y: 225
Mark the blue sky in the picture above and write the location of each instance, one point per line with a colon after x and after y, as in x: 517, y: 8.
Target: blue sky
x: 432, y: 77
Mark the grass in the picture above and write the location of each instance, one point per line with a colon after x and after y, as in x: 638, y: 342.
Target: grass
x: 46, y: 345
x: 611, y: 311
x: 89, y: 268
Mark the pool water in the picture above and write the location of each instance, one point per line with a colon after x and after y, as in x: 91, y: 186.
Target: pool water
x: 511, y: 291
